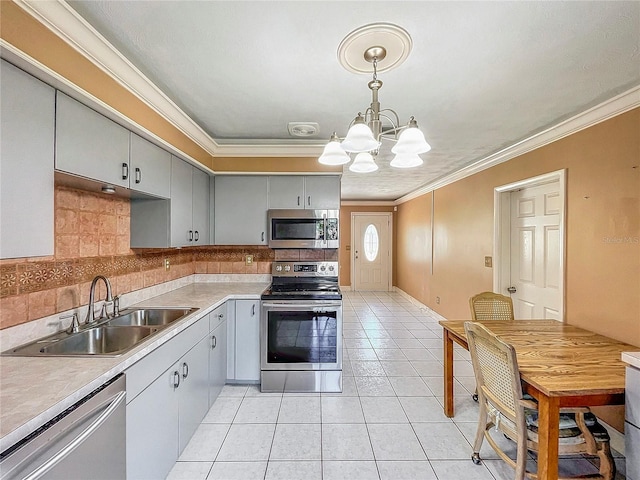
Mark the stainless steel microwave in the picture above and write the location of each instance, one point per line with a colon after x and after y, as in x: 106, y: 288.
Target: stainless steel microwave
x: 303, y: 228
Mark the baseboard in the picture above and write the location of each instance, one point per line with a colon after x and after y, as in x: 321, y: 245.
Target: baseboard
x: 418, y: 304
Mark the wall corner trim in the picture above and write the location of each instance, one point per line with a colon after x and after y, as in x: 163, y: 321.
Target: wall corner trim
x: 604, y: 111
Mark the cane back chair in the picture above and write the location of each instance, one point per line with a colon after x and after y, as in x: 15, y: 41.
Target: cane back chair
x: 491, y: 306
x: 504, y: 407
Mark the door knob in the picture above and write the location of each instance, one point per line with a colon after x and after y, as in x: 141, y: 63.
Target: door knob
x: 511, y: 290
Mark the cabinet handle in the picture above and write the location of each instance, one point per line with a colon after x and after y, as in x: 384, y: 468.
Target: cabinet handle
x: 197, y: 235
x: 125, y: 171
x: 298, y: 200
x: 138, y: 175
x: 214, y: 342
x: 263, y: 236
x: 176, y: 379
x: 191, y: 235
x: 253, y: 309
x: 185, y: 370
x: 309, y: 200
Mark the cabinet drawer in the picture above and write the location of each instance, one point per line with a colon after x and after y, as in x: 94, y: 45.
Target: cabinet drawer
x: 218, y: 316
x: 143, y: 373
x: 632, y: 395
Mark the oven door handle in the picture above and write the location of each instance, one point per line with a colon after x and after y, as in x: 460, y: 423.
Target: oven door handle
x: 321, y: 306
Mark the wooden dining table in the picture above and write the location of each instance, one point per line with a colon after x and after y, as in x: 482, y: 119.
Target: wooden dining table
x: 561, y: 366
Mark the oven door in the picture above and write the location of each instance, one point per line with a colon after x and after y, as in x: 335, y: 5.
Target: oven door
x: 301, y: 335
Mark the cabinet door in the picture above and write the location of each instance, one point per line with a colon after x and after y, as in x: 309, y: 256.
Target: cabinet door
x: 181, y: 203
x: 193, y: 390
x: 200, y: 199
x: 152, y: 429
x: 150, y: 168
x: 247, y: 354
x: 89, y: 144
x: 217, y: 361
x: 27, y: 115
x: 322, y: 192
x: 241, y: 210
x: 231, y: 340
x: 286, y: 191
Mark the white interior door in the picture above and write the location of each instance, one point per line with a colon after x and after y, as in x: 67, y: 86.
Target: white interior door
x: 536, y: 252
x: 371, y: 251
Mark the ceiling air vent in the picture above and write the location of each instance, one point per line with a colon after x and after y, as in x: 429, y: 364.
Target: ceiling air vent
x: 303, y: 129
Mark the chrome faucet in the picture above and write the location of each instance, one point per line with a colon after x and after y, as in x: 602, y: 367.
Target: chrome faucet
x: 109, y: 299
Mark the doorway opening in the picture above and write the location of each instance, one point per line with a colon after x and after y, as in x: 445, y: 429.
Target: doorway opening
x: 529, y: 245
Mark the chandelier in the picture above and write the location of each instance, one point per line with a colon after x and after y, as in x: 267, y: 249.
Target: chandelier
x: 368, y: 130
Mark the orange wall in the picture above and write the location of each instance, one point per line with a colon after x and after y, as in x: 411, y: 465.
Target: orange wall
x: 345, y: 237
x: 602, y: 229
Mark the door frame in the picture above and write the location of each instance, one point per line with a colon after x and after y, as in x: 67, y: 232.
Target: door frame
x: 352, y: 262
x: 502, y: 230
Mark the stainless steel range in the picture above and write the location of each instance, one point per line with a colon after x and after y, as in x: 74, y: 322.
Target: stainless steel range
x: 301, y: 329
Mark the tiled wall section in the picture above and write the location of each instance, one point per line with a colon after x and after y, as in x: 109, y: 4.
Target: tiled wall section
x: 92, y: 238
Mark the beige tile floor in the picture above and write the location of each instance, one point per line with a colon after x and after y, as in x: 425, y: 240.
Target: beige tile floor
x: 387, y: 424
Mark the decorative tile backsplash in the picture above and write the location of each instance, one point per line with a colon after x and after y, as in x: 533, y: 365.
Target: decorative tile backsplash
x: 92, y: 238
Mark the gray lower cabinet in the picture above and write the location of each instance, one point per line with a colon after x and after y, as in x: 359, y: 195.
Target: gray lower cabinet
x: 241, y: 210
x: 167, y: 398
x: 150, y: 168
x: 218, y: 352
x: 246, y: 342
x: 90, y: 145
x: 632, y: 423
x: 27, y: 116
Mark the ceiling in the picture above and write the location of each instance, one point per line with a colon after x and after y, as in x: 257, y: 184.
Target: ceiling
x: 481, y: 76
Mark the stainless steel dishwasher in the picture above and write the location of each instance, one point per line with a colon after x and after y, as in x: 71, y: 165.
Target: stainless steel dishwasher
x: 85, y: 442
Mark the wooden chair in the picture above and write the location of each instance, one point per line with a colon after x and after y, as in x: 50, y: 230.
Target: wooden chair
x: 504, y: 407
x: 491, y: 306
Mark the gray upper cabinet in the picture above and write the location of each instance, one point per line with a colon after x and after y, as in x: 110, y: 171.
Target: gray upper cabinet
x: 183, y: 220
x: 311, y: 192
x: 241, y: 210
x: 181, y: 203
x: 27, y: 117
x: 150, y: 168
x: 322, y: 192
x: 286, y: 191
x: 89, y: 144
x: 189, y: 205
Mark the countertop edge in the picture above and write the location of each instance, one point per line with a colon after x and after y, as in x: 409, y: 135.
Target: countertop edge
x: 631, y: 358
x: 128, y: 359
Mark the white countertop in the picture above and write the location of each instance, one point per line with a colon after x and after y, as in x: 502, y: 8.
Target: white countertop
x: 34, y: 390
x: 632, y: 358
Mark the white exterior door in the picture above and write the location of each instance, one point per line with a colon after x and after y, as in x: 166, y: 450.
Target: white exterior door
x: 536, y: 252
x: 371, y: 251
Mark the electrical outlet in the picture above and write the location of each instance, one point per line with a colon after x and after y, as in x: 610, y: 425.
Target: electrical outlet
x: 248, y: 259
x: 488, y: 262
x: 438, y: 300
x: 167, y: 265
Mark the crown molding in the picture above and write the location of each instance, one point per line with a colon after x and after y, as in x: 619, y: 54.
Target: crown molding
x: 268, y: 150
x: 367, y: 203
x: 608, y: 109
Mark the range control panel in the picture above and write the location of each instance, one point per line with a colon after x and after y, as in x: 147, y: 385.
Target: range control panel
x: 304, y: 269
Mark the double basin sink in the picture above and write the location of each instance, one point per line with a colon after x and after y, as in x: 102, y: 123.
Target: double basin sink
x: 109, y: 337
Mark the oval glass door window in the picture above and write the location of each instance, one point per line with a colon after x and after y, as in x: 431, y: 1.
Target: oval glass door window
x: 371, y: 242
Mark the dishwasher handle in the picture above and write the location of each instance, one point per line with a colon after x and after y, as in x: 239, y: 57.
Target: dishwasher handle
x: 116, y: 402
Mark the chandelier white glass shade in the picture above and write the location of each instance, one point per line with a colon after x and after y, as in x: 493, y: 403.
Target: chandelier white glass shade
x: 367, y: 131
x: 363, y: 163
x: 406, y: 160
x: 333, y: 153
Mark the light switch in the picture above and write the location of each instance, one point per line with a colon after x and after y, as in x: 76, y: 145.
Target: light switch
x: 488, y: 262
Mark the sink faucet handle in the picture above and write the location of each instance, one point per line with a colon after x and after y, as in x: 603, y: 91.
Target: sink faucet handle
x: 75, y: 324
x: 116, y: 305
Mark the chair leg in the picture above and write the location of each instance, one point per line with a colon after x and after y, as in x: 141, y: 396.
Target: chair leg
x: 521, y: 459
x: 607, y: 464
x: 475, y: 396
x: 482, y: 427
